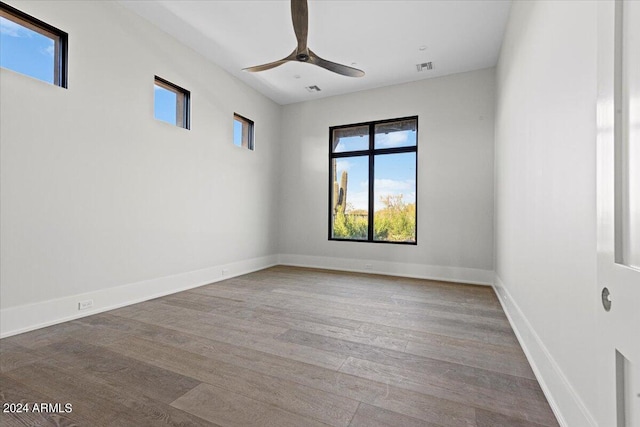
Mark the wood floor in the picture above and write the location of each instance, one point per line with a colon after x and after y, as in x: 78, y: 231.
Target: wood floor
x: 283, y: 347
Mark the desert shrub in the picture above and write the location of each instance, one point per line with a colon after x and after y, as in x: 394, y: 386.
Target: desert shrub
x: 396, y: 222
x: 349, y: 226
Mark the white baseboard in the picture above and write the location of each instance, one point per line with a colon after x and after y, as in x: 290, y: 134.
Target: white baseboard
x: 567, y: 406
x: 15, y: 320
x: 419, y: 271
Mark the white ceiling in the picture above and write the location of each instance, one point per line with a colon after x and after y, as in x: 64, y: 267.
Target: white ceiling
x: 383, y: 38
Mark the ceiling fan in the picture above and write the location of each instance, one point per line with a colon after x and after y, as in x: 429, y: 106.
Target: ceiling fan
x: 300, y: 18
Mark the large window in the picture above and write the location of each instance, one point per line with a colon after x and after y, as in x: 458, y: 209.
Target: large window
x: 32, y: 47
x: 372, y: 181
x: 171, y: 103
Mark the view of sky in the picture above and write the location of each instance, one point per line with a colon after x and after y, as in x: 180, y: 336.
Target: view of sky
x: 394, y: 173
x: 164, y: 104
x: 26, y: 51
x: 352, y: 143
x: 237, y: 133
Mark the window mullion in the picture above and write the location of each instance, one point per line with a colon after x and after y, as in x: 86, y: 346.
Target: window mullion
x: 398, y: 150
x: 371, y: 183
x: 350, y: 154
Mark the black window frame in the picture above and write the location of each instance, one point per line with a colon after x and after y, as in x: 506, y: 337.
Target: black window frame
x: 186, y: 104
x: 59, y: 37
x: 371, y: 152
x: 250, y: 131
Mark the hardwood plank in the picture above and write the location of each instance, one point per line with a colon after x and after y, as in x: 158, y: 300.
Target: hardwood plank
x: 194, y: 322
x: 350, y: 304
x: 456, y: 326
x: 285, y: 319
x: 503, y: 359
x: 45, y: 336
x: 372, y: 416
x: 383, y: 286
x: 429, y: 292
x: 14, y: 355
x: 204, y: 346
x: 12, y: 391
x: 390, y: 304
x: 259, y: 311
x: 151, y: 310
x: 337, y: 346
x: 427, y: 334
x: 492, y: 419
x: 450, y: 372
x: 487, y: 301
x: 383, y: 395
x: 231, y: 409
x: 285, y: 394
x: 518, y: 404
x: 366, y: 282
x: 136, y: 376
x: 99, y: 402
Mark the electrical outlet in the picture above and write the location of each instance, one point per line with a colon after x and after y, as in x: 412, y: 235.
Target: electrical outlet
x: 225, y: 271
x: 84, y: 305
x: 368, y: 266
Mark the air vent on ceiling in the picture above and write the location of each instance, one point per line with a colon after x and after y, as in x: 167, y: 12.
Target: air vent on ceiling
x: 313, y: 88
x: 425, y: 66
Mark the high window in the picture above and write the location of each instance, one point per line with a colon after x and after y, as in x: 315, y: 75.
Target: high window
x: 32, y: 47
x: 242, y: 132
x: 372, y: 181
x: 171, y: 103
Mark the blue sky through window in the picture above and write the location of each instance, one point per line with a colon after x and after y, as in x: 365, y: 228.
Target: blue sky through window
x: 164, y: 105
x: 352, y: 143
x: 237, y: 133
x: 395, y: 174
x: 404, y: 138
x: 26, y: 51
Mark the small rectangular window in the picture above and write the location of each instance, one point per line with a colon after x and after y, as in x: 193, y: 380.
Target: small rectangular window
x: 372, y: 181
x: 32, y: 47
x: 171, y: 103
x: 242, y: 131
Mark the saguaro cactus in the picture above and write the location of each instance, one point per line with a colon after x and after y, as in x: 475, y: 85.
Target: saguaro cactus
x: 342, y: 200
x: 339, y: 191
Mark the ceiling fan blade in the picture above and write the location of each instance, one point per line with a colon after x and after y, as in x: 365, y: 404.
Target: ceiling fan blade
x: 300, y: 18
x: 271, y: 65
x: 335, y: 67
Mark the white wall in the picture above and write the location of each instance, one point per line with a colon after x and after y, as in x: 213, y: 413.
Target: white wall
x: 100, y: 200
x: 546, y: 195
x: 455, y: 179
